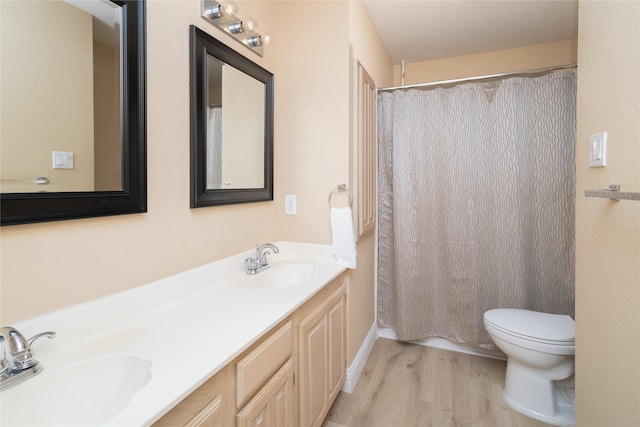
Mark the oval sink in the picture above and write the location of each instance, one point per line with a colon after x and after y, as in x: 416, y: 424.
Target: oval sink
x: 286, y: 275
x: 89, y: 393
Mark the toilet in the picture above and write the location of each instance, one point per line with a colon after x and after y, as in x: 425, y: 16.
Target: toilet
x: 540, y: 349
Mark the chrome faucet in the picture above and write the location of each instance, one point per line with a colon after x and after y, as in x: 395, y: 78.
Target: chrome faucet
x: 259, y: 263
x: 22, y: 364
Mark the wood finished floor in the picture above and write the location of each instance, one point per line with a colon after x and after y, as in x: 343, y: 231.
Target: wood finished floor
x: 411, y: 385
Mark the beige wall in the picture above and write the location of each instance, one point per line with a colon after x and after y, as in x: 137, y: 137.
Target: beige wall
x: 500, y: 61
x: 51, y: 265
x: 314, y: 98
x: 242, y: 130
x: 367, y: 49
x: 106, y: 107
x: 42, y: 88
x: 312, y: 106
x: 608, y: 232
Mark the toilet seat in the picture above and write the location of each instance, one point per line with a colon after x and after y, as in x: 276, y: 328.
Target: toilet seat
x: 550, y: 333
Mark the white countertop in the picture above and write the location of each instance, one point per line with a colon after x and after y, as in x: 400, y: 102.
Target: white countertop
x: 188, y: 326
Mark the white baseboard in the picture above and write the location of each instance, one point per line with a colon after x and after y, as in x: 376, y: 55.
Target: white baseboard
x: 355, y: 369
x: 447, y: 345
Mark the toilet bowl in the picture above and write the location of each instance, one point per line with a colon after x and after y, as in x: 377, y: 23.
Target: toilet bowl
x: 540, y: 349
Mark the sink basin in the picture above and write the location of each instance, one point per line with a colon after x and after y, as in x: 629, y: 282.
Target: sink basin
x: 286, y: 275
x: 84, y: 394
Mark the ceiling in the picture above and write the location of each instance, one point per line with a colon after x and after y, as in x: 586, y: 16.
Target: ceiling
x: 421, y: 30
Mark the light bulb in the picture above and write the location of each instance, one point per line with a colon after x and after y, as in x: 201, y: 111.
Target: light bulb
x: 249, y: 25
x: 265, y: 38
x: 229, y: 8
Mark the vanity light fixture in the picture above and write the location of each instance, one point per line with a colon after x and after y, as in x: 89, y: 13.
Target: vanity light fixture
x: 235, y: 28
x: 258, y: 40
x: 215, y: 10
x: 241, y: 26
x: 224, y: 16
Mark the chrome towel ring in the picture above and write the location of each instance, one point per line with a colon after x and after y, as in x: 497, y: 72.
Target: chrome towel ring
x: 341, y: 188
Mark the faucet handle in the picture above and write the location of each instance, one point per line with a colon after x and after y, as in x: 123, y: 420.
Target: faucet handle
x: 5, y: 365
x: 14, y: 339
x: 48, y: 334
x: 5, y: 368
x: 20, y: 348
x: 252, y: 265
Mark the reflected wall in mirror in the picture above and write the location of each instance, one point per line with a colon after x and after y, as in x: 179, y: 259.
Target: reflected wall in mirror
x: 235, y: 121
x: 46, y: 75
x: 72, y: 113
x: 231, y: 125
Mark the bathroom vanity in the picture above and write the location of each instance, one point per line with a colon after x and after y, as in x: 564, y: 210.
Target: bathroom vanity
x: 293, y: 372
x: 209, y: 346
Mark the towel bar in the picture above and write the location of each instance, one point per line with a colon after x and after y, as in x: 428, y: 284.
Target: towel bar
x: 613, y: 193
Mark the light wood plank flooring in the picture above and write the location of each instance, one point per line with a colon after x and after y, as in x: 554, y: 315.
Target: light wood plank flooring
x: 407, y: 384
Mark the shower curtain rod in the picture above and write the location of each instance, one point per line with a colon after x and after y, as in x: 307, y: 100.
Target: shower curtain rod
x: 540, y: 71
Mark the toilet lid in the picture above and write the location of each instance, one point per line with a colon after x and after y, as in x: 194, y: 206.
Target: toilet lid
x: 538, y: 326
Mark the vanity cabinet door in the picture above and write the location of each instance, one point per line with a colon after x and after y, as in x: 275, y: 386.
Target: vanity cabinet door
x: 211, y: 416
x: 336, y: 351
x: 211, y: 405
x: 273, y: 405
x: 321, y: 338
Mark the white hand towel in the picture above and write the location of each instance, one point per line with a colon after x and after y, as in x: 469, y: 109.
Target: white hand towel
x: 344, y: 241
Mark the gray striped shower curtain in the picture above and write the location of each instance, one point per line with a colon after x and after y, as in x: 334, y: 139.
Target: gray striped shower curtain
x: 476, y: 204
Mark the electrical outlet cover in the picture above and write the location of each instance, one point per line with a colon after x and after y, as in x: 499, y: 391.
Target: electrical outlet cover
x: 290, y: 204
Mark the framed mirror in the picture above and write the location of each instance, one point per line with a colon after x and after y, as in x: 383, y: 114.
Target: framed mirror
x: 231, y: 125
x: 72, y: 118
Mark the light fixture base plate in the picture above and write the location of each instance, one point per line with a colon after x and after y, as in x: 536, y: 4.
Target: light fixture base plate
x: 225, y: 21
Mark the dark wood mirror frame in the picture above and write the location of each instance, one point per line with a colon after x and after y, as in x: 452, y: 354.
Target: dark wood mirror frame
x: 23, y: 208
x: 203, y: 44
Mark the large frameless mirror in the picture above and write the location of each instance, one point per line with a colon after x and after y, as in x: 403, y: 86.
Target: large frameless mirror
x: 231, y: 125
x: 72, y: 115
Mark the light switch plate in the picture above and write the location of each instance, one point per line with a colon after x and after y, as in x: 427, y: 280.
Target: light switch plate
x: 62, y: 159
x: 598, y: 150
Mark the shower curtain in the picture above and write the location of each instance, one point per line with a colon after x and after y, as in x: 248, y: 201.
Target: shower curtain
x: 476, y: 204
x: 214, y: 148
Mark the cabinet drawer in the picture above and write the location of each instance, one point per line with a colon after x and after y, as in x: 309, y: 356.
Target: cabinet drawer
x: 253, y: 370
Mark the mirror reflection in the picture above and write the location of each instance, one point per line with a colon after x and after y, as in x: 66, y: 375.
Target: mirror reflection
x: 61, y: 125
x: 235, y: 128
x: 231, y: 125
